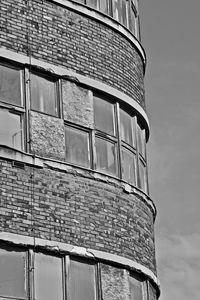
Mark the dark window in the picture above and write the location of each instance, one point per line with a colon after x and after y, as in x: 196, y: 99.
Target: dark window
x: 10, y: 129
x: 77, y: 146
x: 106, y: 152
x: 13, y: 275
x: 104, y: 116
x: 48, y: 277
x: 10, y: 85
x: 43, y: 95
x: 82, y: 281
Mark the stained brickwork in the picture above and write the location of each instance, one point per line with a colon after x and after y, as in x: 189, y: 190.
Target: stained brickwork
x: 76, y: 209
x: 62, y: 37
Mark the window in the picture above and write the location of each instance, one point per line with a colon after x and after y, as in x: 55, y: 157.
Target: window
x: 13, y: 273
x: 48, y: 277
x: 138, y: 287
x: 77, y: 146
x: 44, y: 95
x: 11, y: 107
x: 124, y: 11
x: 82, y: 280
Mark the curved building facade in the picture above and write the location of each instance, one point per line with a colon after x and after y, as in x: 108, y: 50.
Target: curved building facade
x: 77, y: 221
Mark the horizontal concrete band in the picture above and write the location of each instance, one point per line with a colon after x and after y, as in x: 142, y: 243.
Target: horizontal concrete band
x: 22, y: 240
x: 106, y: 19
x: 40, y: 162
x: 73, y: 76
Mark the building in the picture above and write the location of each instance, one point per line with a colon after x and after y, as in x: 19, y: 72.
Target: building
x: 76, y: 218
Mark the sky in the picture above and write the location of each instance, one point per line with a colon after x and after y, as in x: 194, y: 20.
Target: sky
x: 171, y: 38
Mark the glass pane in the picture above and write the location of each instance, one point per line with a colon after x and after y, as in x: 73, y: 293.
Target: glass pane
x: 103, y: 5
x: 132, y: 19
x: 124, y: 12
x: 82, y: 285
x: 48, y: 277
x: 13, y: 281
x: 128, y: 166
x: 117, y: 10
x: 126, y: 127
x: 104, y: 115
x: 43, y: 95
x: 106, y: 157
x: 10, y: 129
x: 92, y: 3
x: 141, y: 141
x: 10, y: 85
x: 142, y: 177
x: 77, y: 147
x: 135, y: 288
x: 80, y: 1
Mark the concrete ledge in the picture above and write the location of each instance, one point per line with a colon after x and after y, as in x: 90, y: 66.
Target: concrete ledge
x: 22, y: 240
x: 73, y: 76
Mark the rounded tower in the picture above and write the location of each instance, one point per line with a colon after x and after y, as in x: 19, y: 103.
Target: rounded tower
x: 77, y: 221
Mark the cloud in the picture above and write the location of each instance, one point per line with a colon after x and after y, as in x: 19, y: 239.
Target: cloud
x: 178, y: 260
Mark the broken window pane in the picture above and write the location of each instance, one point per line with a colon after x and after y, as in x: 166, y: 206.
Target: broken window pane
x: 128, y: 166
x: 126, y: 127
x: 92, y: 3
x: 10, y: 129
x: 104, y: 115
x: 48, y: 277
x: 43, y: 95
x: 10, y: 85
x: 77, y: 146
x: 106, y: 156
x: 135, y: 288
x: 82, y: 281
x: 13, y: 281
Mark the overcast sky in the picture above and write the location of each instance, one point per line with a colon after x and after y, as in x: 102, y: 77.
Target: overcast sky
x: 171, y: 38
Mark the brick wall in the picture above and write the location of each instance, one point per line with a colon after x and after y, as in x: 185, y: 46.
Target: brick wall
x: 75, y: 208
x: 62, y: 37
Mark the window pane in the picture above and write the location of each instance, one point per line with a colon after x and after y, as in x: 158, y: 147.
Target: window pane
x: 104, y: 115
x: 142, y: 177
x: 124, y: 12
x: 13, y: 281
x: 141, y: 141
x: 132, y: 19
x: 126, y: 127
x: 103, y: 5
x: 48, y: 277
x: 77, y: 146
x: 80, y: 1
x: 92, y: 3
x: 82, y: 284
x: 10, y: 85
x: 106, y: 157
x: 117, y: 10
x: 10, y: 129
x: 128, y: 166
x: 43, y: 95
x: 135, y: 288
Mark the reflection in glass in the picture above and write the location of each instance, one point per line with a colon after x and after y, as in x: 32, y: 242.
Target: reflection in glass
x: 117, y: 10
x: 124, y: 12
x: 10, y: 129
x: 132, y: 20
x: 106, y: 156
x: 135, y: 288
x: 48, y: 277
x: 43, y: 95
x: 128, y: 166
x: 104, y: 115
x: 82, y: 285
x: 126, y: 127
x: 141, y: 141
x: 77, y: 146
x: 13, y: 281
x: 10, y: 85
